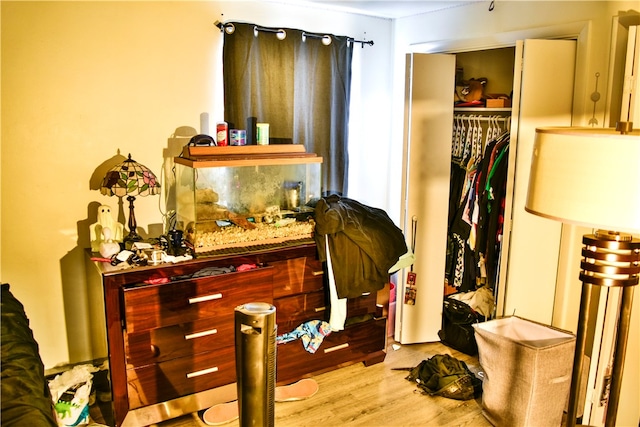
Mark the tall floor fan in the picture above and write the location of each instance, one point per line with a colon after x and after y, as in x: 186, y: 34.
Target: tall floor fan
x: 255, y: 335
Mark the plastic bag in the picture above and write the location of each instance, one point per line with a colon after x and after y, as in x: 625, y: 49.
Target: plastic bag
x: 71, y: 392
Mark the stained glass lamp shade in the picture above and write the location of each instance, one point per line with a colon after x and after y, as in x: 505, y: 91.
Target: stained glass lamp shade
x: 130, y: 179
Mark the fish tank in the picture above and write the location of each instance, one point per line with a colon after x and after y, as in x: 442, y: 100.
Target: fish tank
x: 242, y: 196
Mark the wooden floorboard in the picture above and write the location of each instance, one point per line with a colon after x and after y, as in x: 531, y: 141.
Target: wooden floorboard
x: 373, y: 396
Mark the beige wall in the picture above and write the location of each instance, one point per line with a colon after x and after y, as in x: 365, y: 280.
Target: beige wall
x: 84, y: 81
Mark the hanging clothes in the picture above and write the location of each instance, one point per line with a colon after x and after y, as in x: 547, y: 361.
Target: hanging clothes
x: 476, y: 206
x: 494, y: 199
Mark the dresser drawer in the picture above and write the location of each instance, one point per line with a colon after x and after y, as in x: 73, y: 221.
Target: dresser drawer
x: 297, y: 275
x: 154, y: 306
x: 294, y: 310
x: 365, y: 304
x: 179, y: 377
x: 351, y: 345
x: 170, y: 342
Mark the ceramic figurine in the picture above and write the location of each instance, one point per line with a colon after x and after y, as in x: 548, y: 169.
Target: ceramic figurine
x: 108, y: 247
x: 105, y: 220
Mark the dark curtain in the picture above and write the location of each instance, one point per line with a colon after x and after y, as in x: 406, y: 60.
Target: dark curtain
x: 298, y: 85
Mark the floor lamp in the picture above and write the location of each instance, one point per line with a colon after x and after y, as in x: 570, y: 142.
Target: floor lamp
x: 591, y: 177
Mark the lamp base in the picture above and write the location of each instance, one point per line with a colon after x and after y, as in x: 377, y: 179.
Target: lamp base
x: 132, y: 237
x: 613, y: 235
x: 611, y: 260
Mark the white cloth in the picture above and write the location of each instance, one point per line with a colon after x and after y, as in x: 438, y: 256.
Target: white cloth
x: 338, y: 313
x: 480, y: 300
x: 404, y: 261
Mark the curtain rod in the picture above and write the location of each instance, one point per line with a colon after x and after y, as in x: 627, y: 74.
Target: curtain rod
x: 229, y: 28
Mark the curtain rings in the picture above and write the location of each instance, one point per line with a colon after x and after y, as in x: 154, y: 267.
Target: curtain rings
x: 326, y: 39
x: 227, y: 28
x: 280, y: 33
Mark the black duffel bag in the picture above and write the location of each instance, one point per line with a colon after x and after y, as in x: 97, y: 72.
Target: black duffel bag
x: 457, y: 331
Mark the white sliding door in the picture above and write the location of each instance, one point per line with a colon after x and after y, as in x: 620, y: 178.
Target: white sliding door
x: 544, y: 98
x: 426, y: 169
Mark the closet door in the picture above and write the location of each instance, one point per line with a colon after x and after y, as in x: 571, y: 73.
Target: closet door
x: 430, y: 84
x: 543, y: 96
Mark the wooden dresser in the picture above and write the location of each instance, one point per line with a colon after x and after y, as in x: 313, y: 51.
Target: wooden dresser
x: 171, y: 343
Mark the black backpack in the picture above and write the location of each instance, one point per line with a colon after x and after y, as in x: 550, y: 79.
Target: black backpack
x: 457, y: 331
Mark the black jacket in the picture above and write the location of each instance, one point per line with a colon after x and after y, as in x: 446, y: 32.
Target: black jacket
x: 363, y: 241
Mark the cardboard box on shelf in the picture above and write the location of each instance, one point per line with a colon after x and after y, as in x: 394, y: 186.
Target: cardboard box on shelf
x: 498, y: 103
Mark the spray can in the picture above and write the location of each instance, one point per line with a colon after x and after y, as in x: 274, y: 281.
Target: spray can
x: 222, y: 132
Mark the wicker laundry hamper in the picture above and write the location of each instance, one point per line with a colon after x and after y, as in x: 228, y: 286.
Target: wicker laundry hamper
x: 527, y: 371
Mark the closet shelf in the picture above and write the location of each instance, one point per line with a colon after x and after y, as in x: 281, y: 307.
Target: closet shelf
x: 481, y: 109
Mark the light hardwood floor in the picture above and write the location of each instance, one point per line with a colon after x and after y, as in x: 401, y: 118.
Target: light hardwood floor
x: 373, y: 396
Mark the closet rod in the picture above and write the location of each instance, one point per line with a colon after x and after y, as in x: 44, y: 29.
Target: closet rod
x: 229, y: 28
x: 481, y: 118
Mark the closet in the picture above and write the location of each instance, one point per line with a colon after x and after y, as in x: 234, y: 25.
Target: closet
x: 479, y: 159
x: 538, y: 75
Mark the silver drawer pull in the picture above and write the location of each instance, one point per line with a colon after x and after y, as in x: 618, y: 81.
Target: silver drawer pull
x: 318, y: 309
x: 204, y: 298
x: 317, y: 273
x: 336, y: 348
x: 202, y: 372
x: 200, y: 334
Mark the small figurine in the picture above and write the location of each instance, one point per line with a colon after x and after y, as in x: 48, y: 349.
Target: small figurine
x: 105, y: 220
x: 108, y: 247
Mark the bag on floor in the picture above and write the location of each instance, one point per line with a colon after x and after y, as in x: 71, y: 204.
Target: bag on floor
x: 444, y: 375
x: 457, y: 331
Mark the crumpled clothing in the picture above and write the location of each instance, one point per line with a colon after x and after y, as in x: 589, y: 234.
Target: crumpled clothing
x: 246, y: 267
x: 213, y: 271
x: 480, y: 300
x: 364, y: 243
x: 157, y: 281
x: 311, y: 333
x: 444, y: 375
x: 205, y: 272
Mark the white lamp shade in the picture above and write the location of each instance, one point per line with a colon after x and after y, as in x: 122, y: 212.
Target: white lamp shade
x: 586, y: 176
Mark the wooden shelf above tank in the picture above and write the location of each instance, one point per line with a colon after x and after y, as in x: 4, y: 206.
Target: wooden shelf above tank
x: 246, y: 155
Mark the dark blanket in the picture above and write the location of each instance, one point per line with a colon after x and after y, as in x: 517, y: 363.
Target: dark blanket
x: 363, y: 241
x: 26, y: 399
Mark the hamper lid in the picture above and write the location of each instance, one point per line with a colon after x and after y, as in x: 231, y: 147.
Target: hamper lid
x: 523, y: 331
